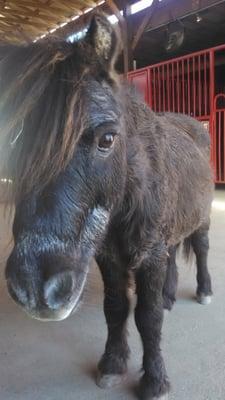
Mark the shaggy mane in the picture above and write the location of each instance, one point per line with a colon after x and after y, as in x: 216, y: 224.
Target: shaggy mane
x: 37, y: 101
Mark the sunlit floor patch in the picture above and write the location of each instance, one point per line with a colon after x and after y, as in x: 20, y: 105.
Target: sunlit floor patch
x: 218, y: 205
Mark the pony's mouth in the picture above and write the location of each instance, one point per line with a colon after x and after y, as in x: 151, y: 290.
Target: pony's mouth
x: 47, y: 315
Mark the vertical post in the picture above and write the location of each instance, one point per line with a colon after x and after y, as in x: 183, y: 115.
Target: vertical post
x: 168, y: 86
x: 223, y: 146
x: 189, y: 89
x: 194, y: 85
x: 159, y: 89
x: 219, y: 137
x: 154, y: 90
x: 126, y: 31
x: 173, y: 92
x: 211, y: 79
x: 206, y: 97
x: 211, y: 105
x: 164, y: 90
x: 199, y: 88
x: 150, y: 99
x: 183, y: 89
x: 178, y: 87
x: 127, y: 40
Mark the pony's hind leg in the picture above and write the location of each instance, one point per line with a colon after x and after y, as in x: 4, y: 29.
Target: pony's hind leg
x: 113, y: 364
x: 170, y: 285
x: 200, y: 245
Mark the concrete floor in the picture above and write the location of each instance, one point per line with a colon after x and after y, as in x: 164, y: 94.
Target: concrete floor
x: 46, y: 361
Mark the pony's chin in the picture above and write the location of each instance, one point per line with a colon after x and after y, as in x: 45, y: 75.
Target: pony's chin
x: 50, y: 316
x: 54, y: 315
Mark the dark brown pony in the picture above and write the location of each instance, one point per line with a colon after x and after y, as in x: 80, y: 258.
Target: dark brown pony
x: 97, y: 174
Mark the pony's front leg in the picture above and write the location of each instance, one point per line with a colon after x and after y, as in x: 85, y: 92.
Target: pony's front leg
x: 150, y: 278
x: 170, y: 284
x: 113, y: 364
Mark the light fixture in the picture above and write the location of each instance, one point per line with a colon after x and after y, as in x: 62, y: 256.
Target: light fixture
x: 88, y: 10
x: 63, y: 24
x: 198, y: 18
x: 75, y: 17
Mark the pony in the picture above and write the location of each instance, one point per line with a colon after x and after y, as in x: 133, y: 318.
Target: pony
x: 96, y: 174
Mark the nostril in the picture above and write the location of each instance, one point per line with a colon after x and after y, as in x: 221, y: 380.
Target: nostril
x: 58, y: 289
x: 18, y: 294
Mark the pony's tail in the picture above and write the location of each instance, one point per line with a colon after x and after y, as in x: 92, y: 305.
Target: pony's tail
x: 188, y: 252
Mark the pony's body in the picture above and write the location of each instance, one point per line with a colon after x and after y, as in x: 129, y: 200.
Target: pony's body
x: 174, y: 181
x: 97, y: 174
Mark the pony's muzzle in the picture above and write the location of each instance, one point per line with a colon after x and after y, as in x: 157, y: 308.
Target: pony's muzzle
x: 53, y: 299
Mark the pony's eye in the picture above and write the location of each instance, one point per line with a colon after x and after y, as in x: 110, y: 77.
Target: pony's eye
x: 106, y: 141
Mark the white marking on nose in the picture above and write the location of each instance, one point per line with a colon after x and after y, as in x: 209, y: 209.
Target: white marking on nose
x: 95, y: 226
x: 40, y: 243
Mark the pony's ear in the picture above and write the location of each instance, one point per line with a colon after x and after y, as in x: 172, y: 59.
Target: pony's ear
x: 104, y: 39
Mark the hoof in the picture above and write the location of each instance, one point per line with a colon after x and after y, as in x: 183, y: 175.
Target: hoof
x: 163, y: 397
x: 204, y: 299
x: 166, y: 313
x: 109, y: 381
x: 168, y: 302
x: 146, y: 391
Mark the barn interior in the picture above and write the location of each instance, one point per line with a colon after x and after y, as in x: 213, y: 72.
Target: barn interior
x: 45, y: 361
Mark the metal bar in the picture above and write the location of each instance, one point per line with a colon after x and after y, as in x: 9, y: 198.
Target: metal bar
x: 194, y: 86
x: 211, y: 103
x: 199, y: 87
x: 154, y: 91
x: 223, y: 146
x: 168, y: 86
x: 188, y: 83
x: 178, y: 88
x: 219, y: 146
x: 205, y: 85
x: 215, y: 144
x: 186, y: 57
x: 149, y: 77
x: 173, y: 93
x: 164, y: 92
x: 159, y: 89
x: 183, y: 88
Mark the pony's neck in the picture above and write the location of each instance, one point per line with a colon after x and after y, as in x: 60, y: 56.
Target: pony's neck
x: 143, y: 161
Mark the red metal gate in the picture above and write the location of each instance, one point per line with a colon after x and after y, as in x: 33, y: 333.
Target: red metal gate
x: 141, y: 81
x: 181, y: 85
x: 188, y: 85
x: 218, y: 138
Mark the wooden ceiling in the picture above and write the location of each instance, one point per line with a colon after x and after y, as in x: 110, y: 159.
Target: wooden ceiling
x: 144, y: 41
x: 26, y: 20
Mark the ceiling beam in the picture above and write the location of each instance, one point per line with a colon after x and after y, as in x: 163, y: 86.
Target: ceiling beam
x: 145, y: 21
x: 112, y: 5
x: 125, y: 31
x: 127, y: 38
